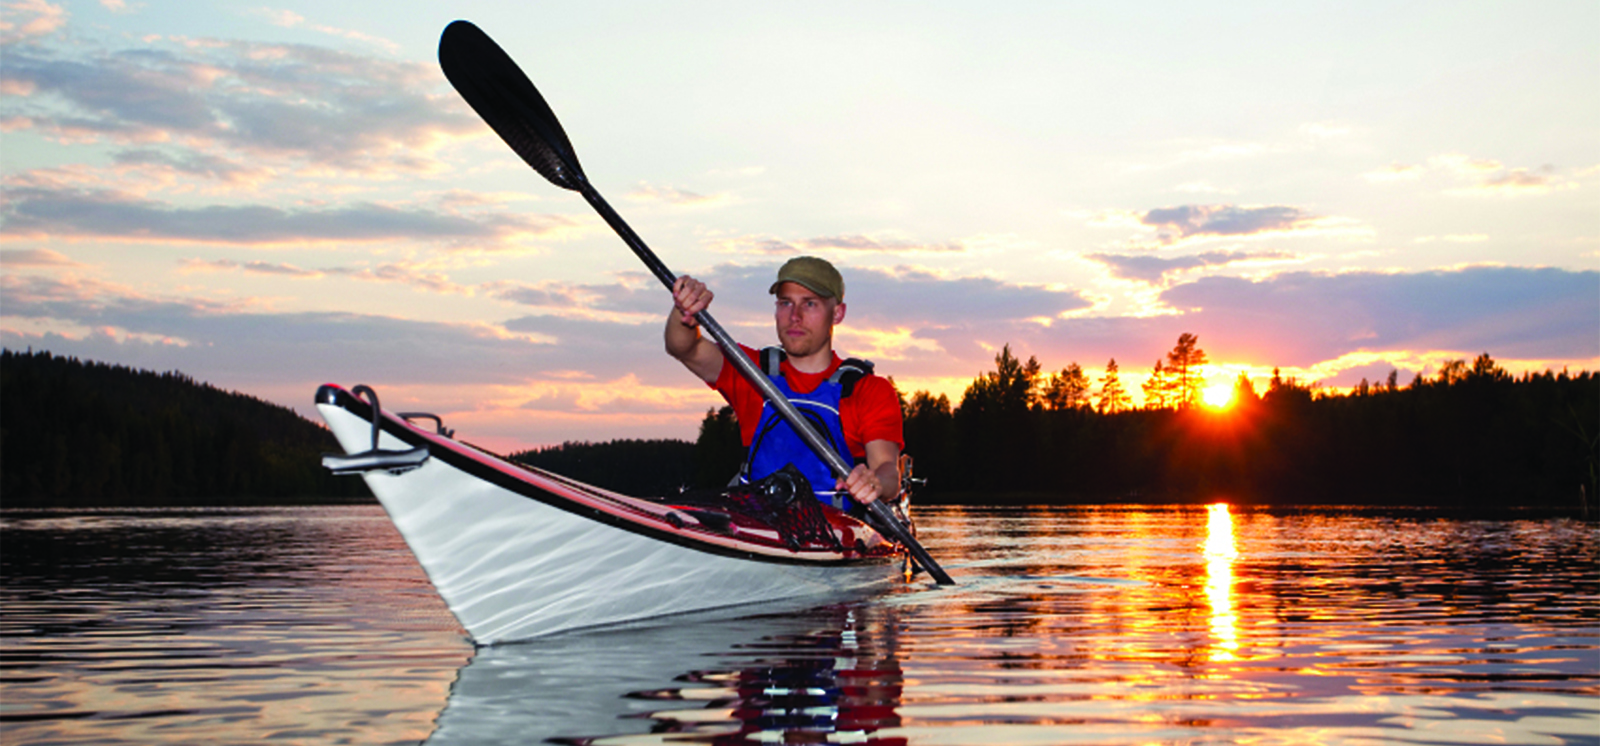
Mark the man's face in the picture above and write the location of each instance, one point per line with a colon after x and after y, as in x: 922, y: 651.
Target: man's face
x: 805, y: 320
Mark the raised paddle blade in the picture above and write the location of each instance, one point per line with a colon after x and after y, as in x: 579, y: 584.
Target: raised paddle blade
x: 503, y: 96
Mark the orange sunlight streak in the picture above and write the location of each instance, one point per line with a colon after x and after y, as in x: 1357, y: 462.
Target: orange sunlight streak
x: 1220, y: 554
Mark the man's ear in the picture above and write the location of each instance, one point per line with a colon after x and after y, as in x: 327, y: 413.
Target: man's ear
x: 838, y: 312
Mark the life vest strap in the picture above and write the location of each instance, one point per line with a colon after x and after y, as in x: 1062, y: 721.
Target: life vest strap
x: 846, y: 375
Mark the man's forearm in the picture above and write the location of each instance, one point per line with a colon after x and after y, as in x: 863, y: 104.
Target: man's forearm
x: 888, y: 479
x: 699, y: 355
x: 681, y: 340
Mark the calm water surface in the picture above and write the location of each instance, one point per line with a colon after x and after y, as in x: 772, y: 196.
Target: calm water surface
x: 1109, y: 625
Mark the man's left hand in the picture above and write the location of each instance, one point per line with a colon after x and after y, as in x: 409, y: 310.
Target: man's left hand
x: 861, y: 484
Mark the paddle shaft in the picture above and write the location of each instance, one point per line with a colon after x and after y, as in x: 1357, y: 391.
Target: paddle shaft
x: 747, y: 368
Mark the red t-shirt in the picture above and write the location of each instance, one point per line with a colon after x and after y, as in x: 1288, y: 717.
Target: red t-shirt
x: 871, y: 412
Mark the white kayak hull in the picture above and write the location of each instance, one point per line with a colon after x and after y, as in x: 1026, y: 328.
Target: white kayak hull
x: 518, y: 553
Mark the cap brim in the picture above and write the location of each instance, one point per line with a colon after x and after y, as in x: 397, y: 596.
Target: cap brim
x: 802, y: 283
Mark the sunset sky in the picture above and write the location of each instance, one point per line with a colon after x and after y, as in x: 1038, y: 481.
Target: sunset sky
x: 268, y: 197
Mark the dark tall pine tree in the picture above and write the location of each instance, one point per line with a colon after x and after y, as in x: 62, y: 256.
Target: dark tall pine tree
x: 1183, y: 365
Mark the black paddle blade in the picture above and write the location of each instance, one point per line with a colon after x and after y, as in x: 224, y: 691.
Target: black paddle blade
x: 497, y: 89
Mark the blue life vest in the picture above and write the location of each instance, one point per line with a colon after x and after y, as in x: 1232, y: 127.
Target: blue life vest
x: 776, y: 444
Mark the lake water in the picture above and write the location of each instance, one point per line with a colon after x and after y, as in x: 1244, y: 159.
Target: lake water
x: 1114, y: 625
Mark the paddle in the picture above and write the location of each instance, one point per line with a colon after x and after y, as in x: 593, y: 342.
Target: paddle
x: 503, y: 96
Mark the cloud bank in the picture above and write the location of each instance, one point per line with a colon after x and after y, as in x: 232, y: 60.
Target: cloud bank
x: 38, y: 212
x: 1306, y: 317
x: 934, y: 326
x: 286, y: 102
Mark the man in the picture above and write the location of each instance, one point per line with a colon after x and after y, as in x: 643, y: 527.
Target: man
x: 865, y: 415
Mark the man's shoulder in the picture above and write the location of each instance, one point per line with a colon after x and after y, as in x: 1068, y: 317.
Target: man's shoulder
x: 873, y: 387
x: 728, y: 377
x: 874, y: 408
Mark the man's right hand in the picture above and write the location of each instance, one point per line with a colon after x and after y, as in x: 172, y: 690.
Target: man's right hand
x: 689, y: 297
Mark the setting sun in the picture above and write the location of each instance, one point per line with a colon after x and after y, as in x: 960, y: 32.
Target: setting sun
x: 1218, y: 395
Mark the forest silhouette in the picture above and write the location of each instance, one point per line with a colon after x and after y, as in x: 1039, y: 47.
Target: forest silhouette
x: 80, y: 433
x: 1472, y: 436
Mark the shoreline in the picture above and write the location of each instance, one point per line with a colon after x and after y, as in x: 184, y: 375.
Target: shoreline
x: 1001, y: 501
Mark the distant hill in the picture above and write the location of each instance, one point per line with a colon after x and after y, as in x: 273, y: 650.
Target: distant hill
x: 81, y: 433
x: 650, y: 467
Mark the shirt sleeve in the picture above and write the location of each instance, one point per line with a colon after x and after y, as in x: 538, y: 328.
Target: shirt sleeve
x: 744, y: 398
x: 876, y: 415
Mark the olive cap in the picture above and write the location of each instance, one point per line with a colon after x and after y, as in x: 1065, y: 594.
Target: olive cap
x: 817, y: 275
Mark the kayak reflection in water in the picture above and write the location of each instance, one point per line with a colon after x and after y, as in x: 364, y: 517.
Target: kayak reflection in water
x: 793, y: 673
x: 856, y: 410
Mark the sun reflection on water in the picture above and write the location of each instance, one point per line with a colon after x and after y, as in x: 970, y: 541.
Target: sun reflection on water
x: 1220, y: 553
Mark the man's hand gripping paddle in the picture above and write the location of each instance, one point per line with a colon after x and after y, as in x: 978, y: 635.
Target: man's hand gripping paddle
x: 499, y: 91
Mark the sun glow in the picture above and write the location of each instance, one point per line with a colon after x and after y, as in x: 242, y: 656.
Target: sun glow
x: 1218, y: 395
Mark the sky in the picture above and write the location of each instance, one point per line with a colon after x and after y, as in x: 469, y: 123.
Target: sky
x: 268, y: 197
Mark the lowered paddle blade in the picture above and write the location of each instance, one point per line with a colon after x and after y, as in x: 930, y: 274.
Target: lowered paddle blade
x: 503, y: 96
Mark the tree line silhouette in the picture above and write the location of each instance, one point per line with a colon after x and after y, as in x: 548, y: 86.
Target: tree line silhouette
x: 84, y: 433
x: 631, y: 467
x: 1471, y: 436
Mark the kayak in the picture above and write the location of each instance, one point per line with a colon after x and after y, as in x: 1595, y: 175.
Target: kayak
x: 518, y: 552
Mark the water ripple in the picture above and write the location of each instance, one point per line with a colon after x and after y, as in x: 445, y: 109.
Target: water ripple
x: 1088, y: 625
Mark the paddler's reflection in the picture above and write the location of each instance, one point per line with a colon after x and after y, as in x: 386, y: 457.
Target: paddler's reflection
x: 838, y: 683
x: 803, y: 674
